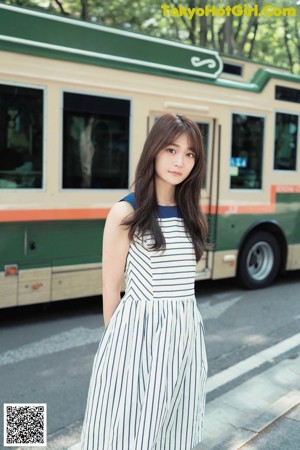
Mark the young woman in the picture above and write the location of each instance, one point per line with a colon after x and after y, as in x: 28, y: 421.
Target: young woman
x: 147, y: 389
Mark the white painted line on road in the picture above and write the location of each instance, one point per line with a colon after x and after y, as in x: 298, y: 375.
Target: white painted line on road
x: 254, y: 361
x: 77, y: 337
x: 75, y: 446
x: 210, y: 310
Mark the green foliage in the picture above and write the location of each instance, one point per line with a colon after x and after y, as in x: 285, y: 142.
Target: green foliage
x: 273, y: 40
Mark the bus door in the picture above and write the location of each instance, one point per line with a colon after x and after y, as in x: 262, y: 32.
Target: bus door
x: 209, y: 131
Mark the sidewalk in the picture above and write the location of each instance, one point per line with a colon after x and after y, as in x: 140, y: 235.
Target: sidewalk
x: 241, y: 417
x: 283, y: 434
x: 275, y: 429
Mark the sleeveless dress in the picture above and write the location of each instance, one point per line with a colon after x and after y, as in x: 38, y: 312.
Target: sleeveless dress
x: 147, y: 388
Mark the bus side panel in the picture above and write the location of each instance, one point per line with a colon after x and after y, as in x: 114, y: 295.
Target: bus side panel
x: 52, y: 261
x: 232, y: 230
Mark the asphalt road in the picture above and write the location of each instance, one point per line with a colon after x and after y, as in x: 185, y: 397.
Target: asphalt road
x: 47, y: 351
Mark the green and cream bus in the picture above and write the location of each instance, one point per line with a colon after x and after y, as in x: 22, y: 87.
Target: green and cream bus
x: 76, y: 103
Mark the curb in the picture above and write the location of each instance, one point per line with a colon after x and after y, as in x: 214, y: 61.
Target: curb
x: 248, y: 433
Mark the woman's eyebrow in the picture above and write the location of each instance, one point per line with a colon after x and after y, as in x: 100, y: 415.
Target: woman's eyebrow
x: 176, y: 145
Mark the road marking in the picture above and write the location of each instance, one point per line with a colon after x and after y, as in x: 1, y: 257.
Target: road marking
x: 80, y: 336
x: 214, y: 311
x: 254, y: 361
x: 75, y: 446
x: 77, y: 337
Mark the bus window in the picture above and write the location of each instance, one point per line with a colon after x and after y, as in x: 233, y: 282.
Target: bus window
x: 21, y: 137
x: 285, y: 145
x: 287, y: 94
x: 246, y: 152
x: 95, y: 142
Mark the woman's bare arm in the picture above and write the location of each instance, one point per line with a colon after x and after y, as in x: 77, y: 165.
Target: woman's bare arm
x: 114, y: 253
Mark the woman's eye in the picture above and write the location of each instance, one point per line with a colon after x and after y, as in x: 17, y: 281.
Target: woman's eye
x: 170, y: 150
x: 191, y: 155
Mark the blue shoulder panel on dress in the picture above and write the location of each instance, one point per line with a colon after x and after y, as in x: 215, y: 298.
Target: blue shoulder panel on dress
x: 166, y: 212
x: 129, y: 198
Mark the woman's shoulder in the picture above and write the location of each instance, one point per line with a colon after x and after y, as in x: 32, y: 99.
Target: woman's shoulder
x: 123, y: 207
x: 130, y: 198
x: 120, y: 210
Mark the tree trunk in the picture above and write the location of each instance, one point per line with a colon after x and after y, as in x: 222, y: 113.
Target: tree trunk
x: 286, y: 41
x: 84, y: 10
x: 297, y: 42
x: 203, y: 28
x: 228, y: 34
x: 238, y: 29
x: 212, y: 26
x: 253, y: 41
x: 221, y: 37
x: 61, y: 7
x: 252, y: 22
x: 203, y: 31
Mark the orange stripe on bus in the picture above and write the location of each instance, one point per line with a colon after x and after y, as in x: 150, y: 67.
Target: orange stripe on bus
x: 244, y: 209
x: 250, y: 209
x: 33, y: 215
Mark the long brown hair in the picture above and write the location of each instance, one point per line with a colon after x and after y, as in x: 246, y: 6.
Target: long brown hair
x: 187, y: 194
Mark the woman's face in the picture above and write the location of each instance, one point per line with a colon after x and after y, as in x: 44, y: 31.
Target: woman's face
x: 174, y: 163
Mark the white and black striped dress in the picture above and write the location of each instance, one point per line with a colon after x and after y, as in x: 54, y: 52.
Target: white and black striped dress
x: 147, y: 389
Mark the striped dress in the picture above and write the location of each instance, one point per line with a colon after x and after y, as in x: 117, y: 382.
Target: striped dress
x: 147, y: 389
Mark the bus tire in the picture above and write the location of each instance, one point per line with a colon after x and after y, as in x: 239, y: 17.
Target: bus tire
x: 259, y: 261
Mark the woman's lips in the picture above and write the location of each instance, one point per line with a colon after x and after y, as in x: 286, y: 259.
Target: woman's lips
x: 176, y: 174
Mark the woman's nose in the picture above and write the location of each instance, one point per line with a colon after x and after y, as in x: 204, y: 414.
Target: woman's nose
x: 179, y: 161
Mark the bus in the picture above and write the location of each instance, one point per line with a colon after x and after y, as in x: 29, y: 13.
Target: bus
x: 77, y: 100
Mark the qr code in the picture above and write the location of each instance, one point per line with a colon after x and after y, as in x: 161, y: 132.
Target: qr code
x: 25, y: 424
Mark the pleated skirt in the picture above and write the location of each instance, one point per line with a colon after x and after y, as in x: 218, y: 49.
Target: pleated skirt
x: 147, y: 388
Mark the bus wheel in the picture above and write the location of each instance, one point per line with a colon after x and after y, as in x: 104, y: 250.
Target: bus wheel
x: 259, y: 261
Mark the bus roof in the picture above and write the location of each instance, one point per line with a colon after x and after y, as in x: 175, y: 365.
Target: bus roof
x: 43, y: 34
